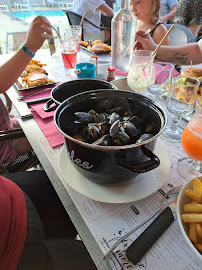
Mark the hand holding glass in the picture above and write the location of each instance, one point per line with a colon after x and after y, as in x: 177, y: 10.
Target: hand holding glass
x: 181, y: 100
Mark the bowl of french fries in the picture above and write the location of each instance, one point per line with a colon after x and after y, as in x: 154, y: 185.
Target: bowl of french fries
x: 189, y: 214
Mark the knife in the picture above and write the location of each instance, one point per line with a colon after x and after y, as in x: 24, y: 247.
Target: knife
x: 37, y: 100
x: 146, y: 240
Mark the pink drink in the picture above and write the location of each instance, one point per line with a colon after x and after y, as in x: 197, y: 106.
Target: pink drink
x: 78, y: 49
x: 69, y: 59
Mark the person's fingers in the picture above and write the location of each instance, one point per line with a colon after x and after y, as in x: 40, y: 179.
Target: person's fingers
x: 140, y: 32
x: 41, y: 20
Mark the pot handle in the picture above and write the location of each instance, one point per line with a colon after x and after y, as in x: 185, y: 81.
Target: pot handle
x: 47, y: 106
x: 146, y: 166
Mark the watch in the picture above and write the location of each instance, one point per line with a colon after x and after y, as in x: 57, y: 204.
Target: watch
x: 26, y: 50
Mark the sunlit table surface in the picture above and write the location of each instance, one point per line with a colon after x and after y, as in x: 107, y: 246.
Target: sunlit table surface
x: 33, y: 132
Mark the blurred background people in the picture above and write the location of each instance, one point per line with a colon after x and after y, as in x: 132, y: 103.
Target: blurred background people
x: 167, y: 10
x: 147, y: 14
x: 94, y: 9
x: 189, y: 13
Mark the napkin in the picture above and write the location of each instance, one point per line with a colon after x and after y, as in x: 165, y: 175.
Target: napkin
x: 162, y: 76
x: 39, y: 107
x: 49, y: 130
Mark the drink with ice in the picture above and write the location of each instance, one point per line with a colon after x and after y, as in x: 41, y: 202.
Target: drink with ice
x: 141, y: 74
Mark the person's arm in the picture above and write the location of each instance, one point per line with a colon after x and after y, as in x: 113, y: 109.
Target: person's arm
x: 39, y: 31
x: 106, y: 10
x: 180, y: 55
x: 170, y: 15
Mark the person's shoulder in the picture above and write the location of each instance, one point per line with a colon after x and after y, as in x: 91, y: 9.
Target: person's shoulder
x: 159, y: 33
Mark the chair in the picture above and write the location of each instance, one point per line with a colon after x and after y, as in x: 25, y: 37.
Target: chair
x: 75, y: 19
x: 66, y: 4
x: 180, y: 35
x: 14, y: 40
x: 22, y: 162
x: 19, y: 4
x: 52, y: 3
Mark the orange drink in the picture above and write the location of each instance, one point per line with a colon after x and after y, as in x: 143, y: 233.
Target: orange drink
x: 192, y: 140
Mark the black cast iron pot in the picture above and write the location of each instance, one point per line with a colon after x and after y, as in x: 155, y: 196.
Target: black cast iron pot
x: 65, y: 90
x: 111, y: 164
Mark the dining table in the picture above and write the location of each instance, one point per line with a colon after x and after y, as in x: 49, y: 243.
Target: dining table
x: 102, y: 215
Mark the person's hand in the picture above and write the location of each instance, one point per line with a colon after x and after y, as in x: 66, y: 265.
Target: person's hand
x: 144, y: 42
x: 39, y: 31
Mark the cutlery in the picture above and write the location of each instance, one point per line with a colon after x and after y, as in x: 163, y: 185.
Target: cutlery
x: 171, y: 191
x: 146, y: 240
x: 30, y: 95
x: 38, y: 100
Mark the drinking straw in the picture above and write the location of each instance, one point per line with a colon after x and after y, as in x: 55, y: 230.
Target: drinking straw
x: 81, y: 21
x: 168, y: 32
x: 61, y: 44
x: 56, y: 32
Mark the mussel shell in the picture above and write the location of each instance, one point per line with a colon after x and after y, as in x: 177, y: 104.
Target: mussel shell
x: 106, y: 140
x: 113, y: 131
x: 130, y: 129
x: 84, y: 117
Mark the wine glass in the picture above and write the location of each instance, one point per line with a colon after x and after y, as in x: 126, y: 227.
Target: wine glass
x: 163, y: 76
x: 180, y: 101
x: 192, y: 144
x: 140, y: 76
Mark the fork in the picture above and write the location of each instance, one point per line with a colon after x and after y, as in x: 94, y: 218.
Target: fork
x: 30, y: 95
x: 171, y: 191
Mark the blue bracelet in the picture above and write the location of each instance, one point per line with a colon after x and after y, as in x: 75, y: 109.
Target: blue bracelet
x: 26, y: 50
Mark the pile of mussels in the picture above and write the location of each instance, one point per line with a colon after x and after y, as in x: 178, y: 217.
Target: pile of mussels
x: 110, y: 129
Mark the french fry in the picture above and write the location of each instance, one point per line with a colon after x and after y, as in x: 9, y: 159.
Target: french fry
x: 193, y: 236
x: 197, y: 189
x: 193, y: 214
x: 190, y: 193
x: 198, y: 247
x: 191, y: 218
x: 199, y: 230
x: 193, y: 208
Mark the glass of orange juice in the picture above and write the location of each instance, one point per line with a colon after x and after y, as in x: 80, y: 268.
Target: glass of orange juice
x: 191, y: 141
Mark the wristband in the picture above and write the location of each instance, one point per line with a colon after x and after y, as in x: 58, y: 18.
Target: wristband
x: 26, y: 50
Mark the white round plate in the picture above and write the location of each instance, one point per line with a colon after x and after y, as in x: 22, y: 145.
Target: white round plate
x: 136, y: 189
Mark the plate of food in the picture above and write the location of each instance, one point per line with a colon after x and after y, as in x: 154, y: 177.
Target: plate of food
x: 34, y: 75
x: 189, y: 214
x: 96, y: 46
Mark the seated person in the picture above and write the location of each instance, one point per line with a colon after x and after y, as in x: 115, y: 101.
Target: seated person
x: 36, y: 231
x: 188, y: 13
x: 167, y: 10
x: 147, y: 14
x: 93, y: 9
x: 39, y: 31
